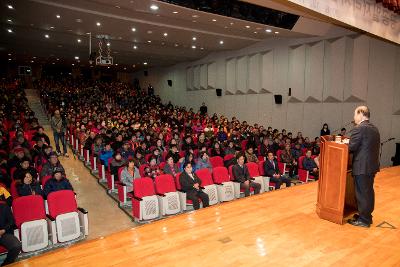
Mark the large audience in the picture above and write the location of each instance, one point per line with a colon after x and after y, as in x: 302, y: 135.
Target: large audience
x: 133, y: 133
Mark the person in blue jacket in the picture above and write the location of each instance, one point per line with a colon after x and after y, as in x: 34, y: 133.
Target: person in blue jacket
x: 57, y: 183
x: 106, y: 154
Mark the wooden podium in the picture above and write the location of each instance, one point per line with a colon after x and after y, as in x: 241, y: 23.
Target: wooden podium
x: 336, y: 196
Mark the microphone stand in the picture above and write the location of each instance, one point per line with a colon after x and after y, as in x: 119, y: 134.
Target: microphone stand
x: 384, y: 142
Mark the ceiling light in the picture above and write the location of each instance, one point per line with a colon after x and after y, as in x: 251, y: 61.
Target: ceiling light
x: 9, y: 54
x: 79, y: 40
x: 133, y: 29
x: 268, y: 30
x: 116, y: 64
x: 149, y: 32
x: 32, y: 61
x: 117, y: 7
x: 154, y: 7
x: 194, y: 38
x: 193, y: 46
x: 76, y: 58
x: 9, y: 20
x: 9, y: 59
x: 276, y: 32
x: 9, y: 30
x: 247, y: 26
x: 194, y: 21
x: 108, y: 67
x: 176, y: 45
x: 149, y: 41
x: 255, y: 32
x: 108, y: 44
x: 214, y: 20
x: 10, y: 7
x: 57, y: 59
x: 221, y: 42
x: 51, y: 27
x: 201, y: 48
x: 145, y: 63
x: 53, y: 63
x: 231, y: 23
x: 58, y: 16
x: 195, y: 16
x: 175, y: 12
x: 98, y: 24
x: 78, y: 20
x: 165, y: 34
x: 134, y: 47
x: 73, y: 64
x: 47, y: 36
x: 34, y: 57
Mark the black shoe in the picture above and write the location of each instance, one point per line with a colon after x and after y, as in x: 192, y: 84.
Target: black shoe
x: 358, y: 223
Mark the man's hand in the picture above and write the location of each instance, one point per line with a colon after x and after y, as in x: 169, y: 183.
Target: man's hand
x: 2, y: 232
x: 247, y: 182
x: 315, y: 169
x: 196, y: 185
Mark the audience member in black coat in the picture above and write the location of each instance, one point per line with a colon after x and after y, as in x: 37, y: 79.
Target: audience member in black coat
x: 57, y: 183
x: 191, y: 185
x: 272, y: 171
x: 28, y: 186
x: 40, y: 135
x: 24, y: 167
x: 7, y: 238
x: 241, y: 174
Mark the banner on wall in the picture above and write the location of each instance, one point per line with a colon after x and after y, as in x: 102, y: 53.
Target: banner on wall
x: 366, y: 15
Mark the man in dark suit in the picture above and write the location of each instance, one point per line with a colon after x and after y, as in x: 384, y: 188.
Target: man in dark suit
x: 191, y: 185
x: 364, y: 144
x: 7, y: 238
x: 241, y: 174
x: 272, y: 171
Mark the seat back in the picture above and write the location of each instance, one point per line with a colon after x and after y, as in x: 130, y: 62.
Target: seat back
x: 61, y: 202
x: 13, y: 190
x: 301, y: 159
x: 228, y: 157
x: 109, y: 164
x: 231, y: 173
x: 143, y: 187
x: 142, y: 168
x: 45, y: 179
x: 164, y: 183
x: 220, y: 175
x: 177, y: 182
x: 253, y: 169
x: 217, y: 161
x: 162, y: 165
x: 205, y: 176
x: 119, y: 173
x: 261, y: 167
x: 28, y: 208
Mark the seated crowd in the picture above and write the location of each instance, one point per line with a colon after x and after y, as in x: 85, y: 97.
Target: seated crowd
x: 124, y: 127
x: 28, y: 166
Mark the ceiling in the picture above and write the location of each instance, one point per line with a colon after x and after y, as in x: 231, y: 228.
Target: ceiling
x: 161, y: 37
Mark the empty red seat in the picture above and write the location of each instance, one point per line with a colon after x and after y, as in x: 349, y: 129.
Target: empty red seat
x: 217, y: 161
x: 167, y: 194
x: 144, y: 200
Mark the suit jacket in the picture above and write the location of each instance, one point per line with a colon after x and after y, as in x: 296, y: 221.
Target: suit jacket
x: 240, y: 174
x: 364, y: 143
x: 309, y: 164
x: 187, y: 182
x: 269, y: 168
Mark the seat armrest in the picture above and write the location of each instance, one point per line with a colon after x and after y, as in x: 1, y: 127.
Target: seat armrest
x: 252, y: 179
x: 180, y: 190
x: 50, y: 217
x: 161, y: 195
x: 82, y: 210
x: 202, y: 187
x: 137, y: 198
x: 218, y: 183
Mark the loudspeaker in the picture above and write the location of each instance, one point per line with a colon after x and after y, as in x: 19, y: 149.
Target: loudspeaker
x: 218, y: 91
x: 146, y: 73
x: 278, y: 99
x: 290, y: 92
x: 169, y: 82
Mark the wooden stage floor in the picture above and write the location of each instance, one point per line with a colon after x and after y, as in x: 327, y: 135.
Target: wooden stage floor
x: 278, y: 228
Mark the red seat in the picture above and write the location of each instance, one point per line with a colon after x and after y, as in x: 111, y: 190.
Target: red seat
x: 244, y: 144
x: 217, y: 161
x: 45, y: 179
x: 167, y: 194
x: 253, y: 169
x: 205, y: 176
x: 123, y: 195
x: 301, y: 159
x: 228, y: 157
x: 162, y: 165
x: 278, y: 155
x: 141, y: 169
x: 220, y: 175
x: 164, y: 183
x: 13, y: 190
x: 60, y: 202
x: 144, y: 200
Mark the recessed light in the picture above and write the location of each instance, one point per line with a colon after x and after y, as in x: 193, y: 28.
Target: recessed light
x: 175, y: 12
x: 201, y: 48
x: 247, y: 26
x: 194, y: 21
x: 57, y: 59
x: 214, y: 20
x: 51, y: 27
x: 145, y: 63
x: 73, y: 64
x: 231, y: 23
x: 154, y: 7
x: 133, y: 65
x: 47, y: 36
x: 58, y: 16
x: 76, y: 58
x: 149, y: 32
x: 9, y: 20
x: 34, y: 57
x: 116, y: 64
x: 149, y: 41
x: 194, y: 38
x: 165, y: 34
x: 221, y: 42
x: 226, y: 27
x: 124, y: 68
x: 108, y: 67
x: 162, y: 43
x: 9, y: 59
x: 268, y: 30
x: 108, y: 44
x: 10, y: 7
x: 176, y: 45
x: 98, y: 24
x: 53, y: 63
x: 276, y: 32
x: 9, y: 30
x: 193, y: 46
x: 195, y: 16
x: 117, y: 7
x: 32, y: 61
x: 78, y: 20
x: 9, y: 54
x: 134, y: 47
x: 255, y: 32
x: 133, y: 29
x: 79, y: 40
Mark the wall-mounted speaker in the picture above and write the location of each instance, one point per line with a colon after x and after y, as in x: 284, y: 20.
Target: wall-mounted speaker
x: 146, y: 73
x: 218, y: 91
x: 169, y: 82
x: 278, y: 99
x: 290, y: 92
